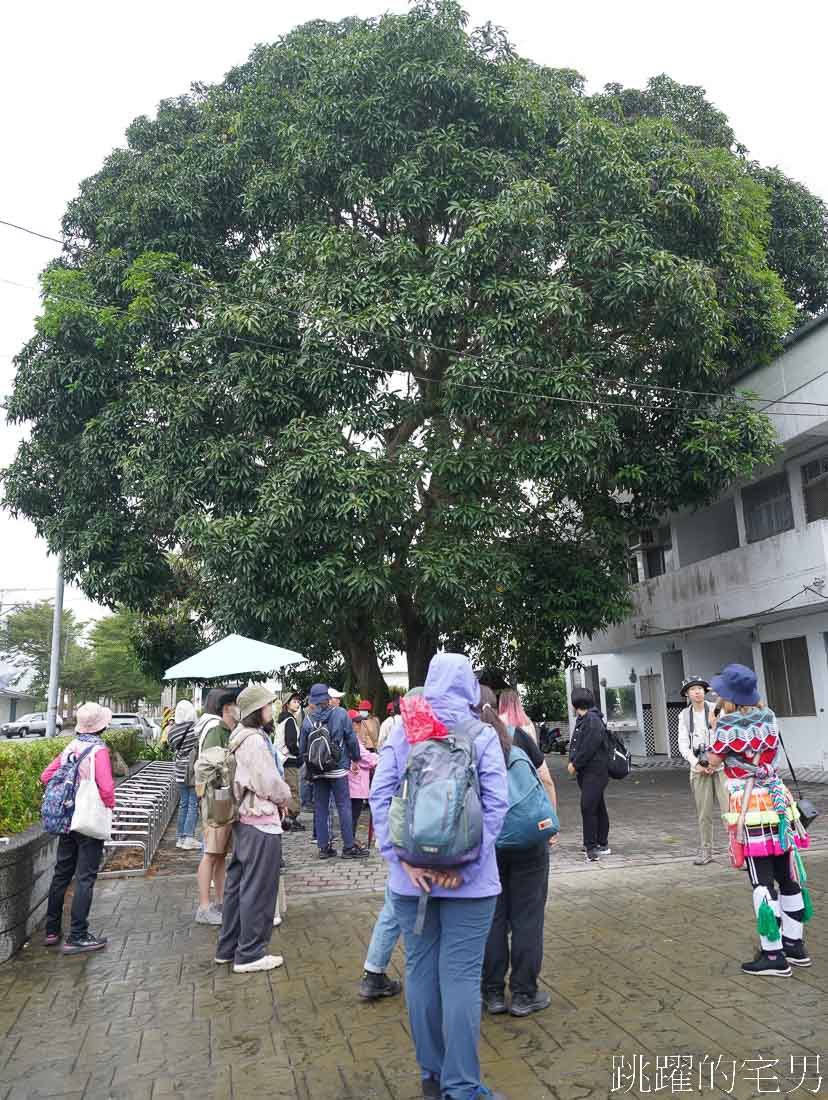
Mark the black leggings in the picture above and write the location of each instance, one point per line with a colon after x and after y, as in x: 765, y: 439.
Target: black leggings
x: 357, y: 805
x: 767, y: 871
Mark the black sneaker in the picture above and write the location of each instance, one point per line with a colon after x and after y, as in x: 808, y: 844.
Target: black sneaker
x: 796, y: 952
x: 83, y: 944
x: 524, y: 1005
x: 355, y: 853
x: 494, y: 1003
x: 327, y: 853
x: 431, y: 1089
x: 604, y: 850
x: 374, y: 986
x: 592, y: 855
x: 770, y: 964
x: 297, y: 825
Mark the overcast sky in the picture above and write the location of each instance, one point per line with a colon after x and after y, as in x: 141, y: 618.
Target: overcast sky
x: 73, y: 76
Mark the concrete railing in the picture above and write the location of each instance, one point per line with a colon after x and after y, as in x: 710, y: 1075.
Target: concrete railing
x: 26, y: 864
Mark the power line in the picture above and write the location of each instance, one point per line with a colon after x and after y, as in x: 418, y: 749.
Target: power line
x: 31, y: 232
x: 477, y: 356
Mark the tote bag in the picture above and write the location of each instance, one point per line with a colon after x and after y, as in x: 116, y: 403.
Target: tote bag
x: 91, y: 817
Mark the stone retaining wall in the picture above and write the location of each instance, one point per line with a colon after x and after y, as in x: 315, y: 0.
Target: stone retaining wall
x: 26, y: 864
x: 27, y: 860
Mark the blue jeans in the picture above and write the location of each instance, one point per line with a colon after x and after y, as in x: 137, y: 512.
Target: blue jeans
x: 443, y: 972
x: 384, y: 938
x: 187, y: 811
x: 322, y: 790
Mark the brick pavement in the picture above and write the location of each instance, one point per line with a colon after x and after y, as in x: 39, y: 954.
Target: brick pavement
x: 652, y: 817
x: 642, y: 959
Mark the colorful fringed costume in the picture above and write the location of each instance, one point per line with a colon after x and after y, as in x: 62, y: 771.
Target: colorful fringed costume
x: 770, y: 830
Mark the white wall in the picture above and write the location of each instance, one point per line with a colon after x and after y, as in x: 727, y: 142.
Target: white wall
x: 805, y: 738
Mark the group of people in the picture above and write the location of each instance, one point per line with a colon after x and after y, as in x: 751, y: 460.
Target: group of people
x: 470, y: 927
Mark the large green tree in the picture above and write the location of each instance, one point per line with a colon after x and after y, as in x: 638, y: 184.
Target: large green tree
x: 117, y: 672
x: 26, y: 642
x: 370, y: 334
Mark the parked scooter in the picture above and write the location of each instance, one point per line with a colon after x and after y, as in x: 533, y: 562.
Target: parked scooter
x: 551, y: 739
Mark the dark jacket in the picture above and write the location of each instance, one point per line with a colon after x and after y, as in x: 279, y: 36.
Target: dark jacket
x: 589, y: 748
x: 341, y: 731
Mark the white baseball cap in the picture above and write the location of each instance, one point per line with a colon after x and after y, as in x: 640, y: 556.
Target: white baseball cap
x: 334, y: 694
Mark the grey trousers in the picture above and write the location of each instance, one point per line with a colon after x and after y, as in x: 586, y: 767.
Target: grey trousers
x: 250, y: 893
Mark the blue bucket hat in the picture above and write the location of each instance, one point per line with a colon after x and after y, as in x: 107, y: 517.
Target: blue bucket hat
x: 736, y: 684
x: 319, y: 694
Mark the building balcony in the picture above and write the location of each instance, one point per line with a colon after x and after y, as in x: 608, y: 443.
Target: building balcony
x: 731, y: 587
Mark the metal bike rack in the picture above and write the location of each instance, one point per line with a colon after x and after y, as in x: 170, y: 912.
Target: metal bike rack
x: 144, y: 805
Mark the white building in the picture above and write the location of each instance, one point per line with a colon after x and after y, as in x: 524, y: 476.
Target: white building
x: 745, y: 579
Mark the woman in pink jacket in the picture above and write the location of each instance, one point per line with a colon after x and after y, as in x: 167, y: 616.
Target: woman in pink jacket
x: 79, y: 856
x: 359, y: 777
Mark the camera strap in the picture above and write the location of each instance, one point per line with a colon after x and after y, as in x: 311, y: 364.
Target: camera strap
x: 790, y: 765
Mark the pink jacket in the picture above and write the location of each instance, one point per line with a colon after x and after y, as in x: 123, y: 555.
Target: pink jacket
x: 359, y: 777
x: 103, y: 769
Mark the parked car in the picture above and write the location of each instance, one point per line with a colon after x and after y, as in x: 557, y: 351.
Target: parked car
x: 29, y: 723
x: 146, y: 728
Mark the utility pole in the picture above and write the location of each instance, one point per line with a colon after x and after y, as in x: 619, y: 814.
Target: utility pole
x: 54, y: 665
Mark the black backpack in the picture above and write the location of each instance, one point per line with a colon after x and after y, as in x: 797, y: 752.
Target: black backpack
x: 620, y: 759
x: 324, y: 754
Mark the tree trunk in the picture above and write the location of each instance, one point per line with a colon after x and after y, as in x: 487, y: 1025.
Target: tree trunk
x: 361, y: 654
x: 420, y: 641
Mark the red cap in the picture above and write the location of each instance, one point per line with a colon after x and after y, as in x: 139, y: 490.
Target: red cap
x: 365, y: 705
x: 352, y: 714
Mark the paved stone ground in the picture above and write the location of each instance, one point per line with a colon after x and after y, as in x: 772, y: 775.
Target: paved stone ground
x: 642, y: 959
x: 652, y: 822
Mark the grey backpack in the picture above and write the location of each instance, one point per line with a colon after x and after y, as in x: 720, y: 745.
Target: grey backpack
x: 436, y: 818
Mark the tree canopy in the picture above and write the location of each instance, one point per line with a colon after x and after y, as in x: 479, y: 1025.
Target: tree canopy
x: 388, y: 340
x: 101, y: 663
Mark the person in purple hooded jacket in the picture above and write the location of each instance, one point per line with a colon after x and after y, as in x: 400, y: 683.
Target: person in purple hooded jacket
x: 444, y: 964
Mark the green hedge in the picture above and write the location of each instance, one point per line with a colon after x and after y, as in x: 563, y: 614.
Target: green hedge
x: 21, y: 765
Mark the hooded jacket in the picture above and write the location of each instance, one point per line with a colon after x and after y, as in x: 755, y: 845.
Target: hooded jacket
x: 257, y: 786
x: 452, y: 690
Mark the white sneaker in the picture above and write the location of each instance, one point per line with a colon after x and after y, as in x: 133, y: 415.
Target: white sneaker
x: 266, y: 962
x: 277, y: 920
x: 190, y: 844
x: 180, y: 842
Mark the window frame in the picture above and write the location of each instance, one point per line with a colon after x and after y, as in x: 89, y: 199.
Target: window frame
x: 750, y: 528
x: 785, y: 708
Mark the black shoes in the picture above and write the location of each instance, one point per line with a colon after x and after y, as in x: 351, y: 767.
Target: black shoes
x: 524, y: 1005
x: 327, y: 853
x: 374, y: 986
x: 355, y: 853
x: 494, y: 1003
x: 592, y: 855
x: 431, y: 1089
x: 795, y: 952
x: 769, y: 964
x: 83, y: 944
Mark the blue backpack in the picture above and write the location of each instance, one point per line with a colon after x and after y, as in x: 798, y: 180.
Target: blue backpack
x: 59, y: 797
x: 531, y: 817
x: 436, y: 817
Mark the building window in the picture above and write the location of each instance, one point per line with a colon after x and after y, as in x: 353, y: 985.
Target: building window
x: 768, y: 508
x: 815, y: 489
x: 788, y: 678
